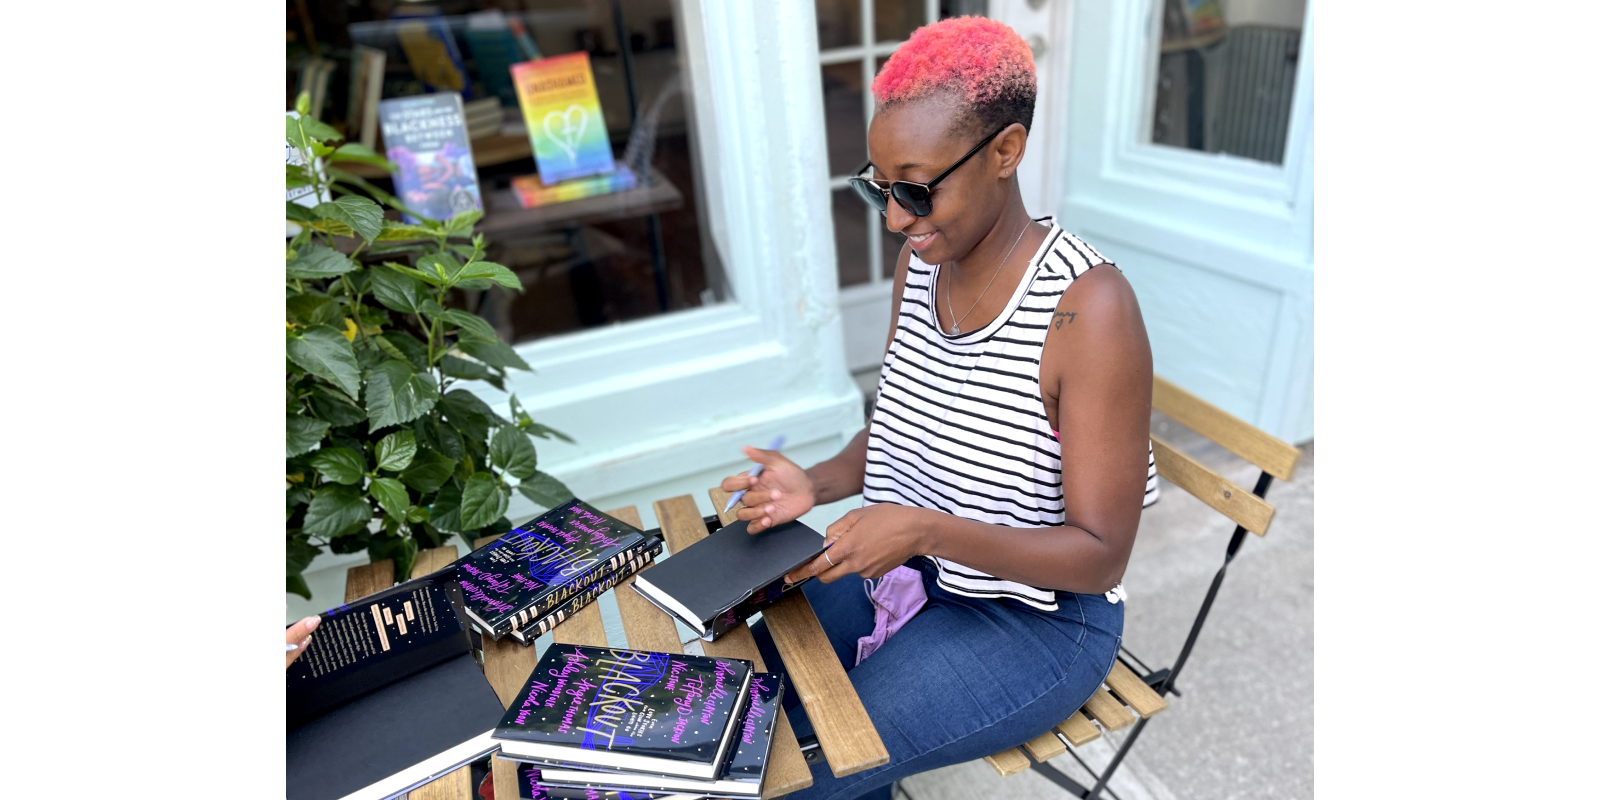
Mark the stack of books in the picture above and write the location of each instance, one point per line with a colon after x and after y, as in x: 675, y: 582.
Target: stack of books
x: 531, y: 579
x: 599, y: 720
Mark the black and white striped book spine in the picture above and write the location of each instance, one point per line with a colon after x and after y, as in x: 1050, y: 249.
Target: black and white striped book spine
x: 526, y: 636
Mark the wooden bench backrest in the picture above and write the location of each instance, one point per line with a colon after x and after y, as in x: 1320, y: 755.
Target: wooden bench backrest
x: 1275, y: 457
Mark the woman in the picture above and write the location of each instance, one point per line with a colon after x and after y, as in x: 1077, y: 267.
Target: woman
x: 1004, y: 331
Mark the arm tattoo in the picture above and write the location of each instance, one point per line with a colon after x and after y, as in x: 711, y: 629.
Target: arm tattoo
x: 1069, y: 316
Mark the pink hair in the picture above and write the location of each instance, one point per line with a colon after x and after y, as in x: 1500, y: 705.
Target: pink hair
x: 980, y: 59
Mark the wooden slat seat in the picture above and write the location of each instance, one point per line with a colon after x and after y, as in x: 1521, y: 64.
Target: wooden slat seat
x: 1126, y: 697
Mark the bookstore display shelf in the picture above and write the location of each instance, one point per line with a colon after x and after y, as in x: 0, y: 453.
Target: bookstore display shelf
x: 847, y: 738
x: 487, y: 151
x: 503, y: 215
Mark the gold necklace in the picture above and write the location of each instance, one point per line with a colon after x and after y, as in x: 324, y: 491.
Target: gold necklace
x: 949, y: 286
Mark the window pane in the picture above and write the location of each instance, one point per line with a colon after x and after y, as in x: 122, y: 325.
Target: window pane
x: 845, y: 117
x: 850, y: 236
x: 607, y: 257
x: 894, y: 20
x: 963, y: 8
x: 1225, y: 82
x: 838, y: 23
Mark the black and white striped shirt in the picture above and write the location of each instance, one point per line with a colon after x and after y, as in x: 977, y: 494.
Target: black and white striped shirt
x: 960, y: 423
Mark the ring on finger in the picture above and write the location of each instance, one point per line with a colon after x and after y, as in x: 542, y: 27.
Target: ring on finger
x: 830, y: 560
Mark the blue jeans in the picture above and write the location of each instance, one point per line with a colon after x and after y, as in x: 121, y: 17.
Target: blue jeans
x: 963, y: 679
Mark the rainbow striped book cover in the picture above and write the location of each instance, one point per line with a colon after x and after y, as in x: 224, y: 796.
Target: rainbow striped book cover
x: 562, y: 110
x: 532, y: 192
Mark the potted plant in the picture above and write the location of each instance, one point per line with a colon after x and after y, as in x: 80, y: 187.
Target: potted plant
x: 387, y: 450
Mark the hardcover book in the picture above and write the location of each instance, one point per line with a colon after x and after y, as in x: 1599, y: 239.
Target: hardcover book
x: 719, y: 581
x: 494, y: 49
x: 532, y: 192
x: 522, y: 576
x: 611, y: 709
x: 366, y: 87
x: 435, y: 59
x: 745, y: 770
x: 562, y: 111
x: 386, y: 697
x: 531, y: 787
x: 528, y: 634
x: 426, y: 137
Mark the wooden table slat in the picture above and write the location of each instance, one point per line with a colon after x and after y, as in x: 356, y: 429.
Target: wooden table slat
x: 1134, y: 691
x: 1105, y: 709
x: 505, y: 777
x: 645, y: 626
x: 1008, y: 762
x: 1078, y: 729
x: 451, y: 786
x: 1045, y: 746
x: 787, y: 770
x: 368, y: 579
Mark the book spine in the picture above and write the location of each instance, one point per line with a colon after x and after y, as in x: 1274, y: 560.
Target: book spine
x: 583, y: 599
x: 549, y: 601
x: 759, y: 600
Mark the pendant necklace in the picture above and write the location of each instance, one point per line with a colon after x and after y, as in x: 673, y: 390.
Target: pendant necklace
x: 949, y: 287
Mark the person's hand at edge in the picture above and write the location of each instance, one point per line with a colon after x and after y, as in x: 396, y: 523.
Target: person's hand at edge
x: 299, y: 635
x: 781, y: 493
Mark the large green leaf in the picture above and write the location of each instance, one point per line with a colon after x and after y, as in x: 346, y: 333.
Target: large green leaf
x: 396, y: 450
x: 439, y: 436
x: 297, y: 212
x: 304, y: 433
x: 336, y: 509
x: 472, y: 326
x: 513, y: 453
x: 426, y: 277
x: 442, y: 266
x: 396, y: 394
x: 545, y: 490
x: 361, y: 154
x: 494, y: 353
x: 316, y: 262
x: 482, y: 501
x: 319, y: 130
x: 428, y: 471
x: 325, y: 353
x: 445, y: 513
x: 398, y: 290
x: 339, y: 464
x: 334, y: 407
x: 462, y: 223
x: 492, y: 272
x: 402, y: 549
x: 293, y: 133
x: 469, y: 414
x: 471, y: 370
x: 299, y: 555
x: 313, y: 309
x: 296, y: 584
x: 391, y: 495
x: 401, y: 232
x: 362, y: 215
x: 410, y: 346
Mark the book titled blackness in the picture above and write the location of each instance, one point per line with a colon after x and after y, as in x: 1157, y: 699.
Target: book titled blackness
x: 747, y: 764
x: 524, y: 575
x: 531, y: 787
x: 719, y: 581
x: 386, y: 697
x: 611, y: 709
x: 528, y: 634
x: 426, y: 137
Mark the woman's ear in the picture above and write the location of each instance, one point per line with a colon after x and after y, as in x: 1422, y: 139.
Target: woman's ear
x: 1010, y: 146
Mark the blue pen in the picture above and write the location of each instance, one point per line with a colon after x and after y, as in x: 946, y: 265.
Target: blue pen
x: 777, y: 444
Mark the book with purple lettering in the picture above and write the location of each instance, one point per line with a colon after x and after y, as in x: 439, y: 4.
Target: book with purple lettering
x: 524, y: 575
x: 528, y: 634
x: 602, y: 708
x: 531, y: 787
x: 744, y: 772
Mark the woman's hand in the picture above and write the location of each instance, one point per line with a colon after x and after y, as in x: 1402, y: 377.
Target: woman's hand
x: 869, y: 542
x: 780, y: 494
x: 299, y: 635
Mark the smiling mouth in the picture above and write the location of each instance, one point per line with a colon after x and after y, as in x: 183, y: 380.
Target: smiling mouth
x: 920, y: 241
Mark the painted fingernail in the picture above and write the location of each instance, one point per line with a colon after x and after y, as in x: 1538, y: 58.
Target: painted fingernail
x: 312, y: 622
x: 289, y: 648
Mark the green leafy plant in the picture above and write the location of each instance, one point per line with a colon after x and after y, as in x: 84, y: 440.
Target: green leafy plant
x: 387, y: 452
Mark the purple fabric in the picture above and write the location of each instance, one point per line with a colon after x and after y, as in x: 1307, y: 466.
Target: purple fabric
x: 896, y: 598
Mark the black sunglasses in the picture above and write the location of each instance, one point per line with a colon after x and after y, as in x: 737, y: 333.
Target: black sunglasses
x: 916, y: 198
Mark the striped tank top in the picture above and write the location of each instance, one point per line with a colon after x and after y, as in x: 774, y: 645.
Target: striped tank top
x: 960, y: 423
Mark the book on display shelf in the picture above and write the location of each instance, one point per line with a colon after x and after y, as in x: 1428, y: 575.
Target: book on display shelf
x: 603, y: 708
x: 525, y: 574
x: 426, y: 137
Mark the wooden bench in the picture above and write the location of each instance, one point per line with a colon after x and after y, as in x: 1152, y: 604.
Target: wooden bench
x: 1129, y: 698
x: 846, y: 736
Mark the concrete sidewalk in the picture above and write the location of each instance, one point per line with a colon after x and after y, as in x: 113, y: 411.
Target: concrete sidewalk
x: 1243, y: 728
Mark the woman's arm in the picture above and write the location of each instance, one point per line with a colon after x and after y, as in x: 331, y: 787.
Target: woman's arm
x: 1096, y: 378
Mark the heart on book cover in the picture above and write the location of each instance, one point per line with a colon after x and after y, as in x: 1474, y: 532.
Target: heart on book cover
x: 570, y: 132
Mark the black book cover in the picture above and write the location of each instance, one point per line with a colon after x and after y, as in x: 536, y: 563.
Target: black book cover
x: 526, y: 573
x: 743, y: 775
x: 529, y: 787
x: 609, y: 708
x: 729, y: 571
x: 528, y: 634
x: 363, y: 646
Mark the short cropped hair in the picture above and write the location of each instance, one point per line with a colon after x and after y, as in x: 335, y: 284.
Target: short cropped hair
x: 981, y: 63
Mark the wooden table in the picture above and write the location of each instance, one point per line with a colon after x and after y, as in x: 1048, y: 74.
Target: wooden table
x: 848, y: 740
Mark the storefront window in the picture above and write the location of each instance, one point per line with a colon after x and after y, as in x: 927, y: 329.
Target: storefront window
x: 1225, y: 79
x: 588, y: 256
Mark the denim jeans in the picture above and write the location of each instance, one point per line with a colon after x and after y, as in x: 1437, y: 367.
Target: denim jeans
x: 963, y: 679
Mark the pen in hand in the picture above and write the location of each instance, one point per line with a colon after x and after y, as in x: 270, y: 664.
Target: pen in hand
x: 754, y: 472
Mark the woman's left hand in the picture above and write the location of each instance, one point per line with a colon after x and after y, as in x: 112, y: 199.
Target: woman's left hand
x: 869, y: 542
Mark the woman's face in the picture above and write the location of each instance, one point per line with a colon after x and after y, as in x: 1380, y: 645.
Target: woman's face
x: 912, y: 142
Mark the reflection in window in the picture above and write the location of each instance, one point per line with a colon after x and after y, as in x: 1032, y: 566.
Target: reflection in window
x: 585, y: 262
x: 1225, y: 81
